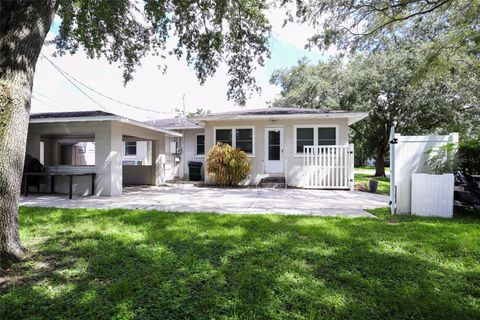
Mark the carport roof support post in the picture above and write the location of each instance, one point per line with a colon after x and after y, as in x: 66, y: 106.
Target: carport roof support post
x: 108, y: 159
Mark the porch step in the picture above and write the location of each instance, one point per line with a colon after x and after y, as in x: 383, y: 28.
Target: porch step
x: 272, y: 182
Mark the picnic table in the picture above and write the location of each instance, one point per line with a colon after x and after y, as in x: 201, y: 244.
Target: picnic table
x: 52, y: 176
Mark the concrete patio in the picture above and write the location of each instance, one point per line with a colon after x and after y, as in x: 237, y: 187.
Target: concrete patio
x: 189, y: 198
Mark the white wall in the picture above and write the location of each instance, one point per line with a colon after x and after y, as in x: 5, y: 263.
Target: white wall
x: 144, y: 153
x: 177, y: 164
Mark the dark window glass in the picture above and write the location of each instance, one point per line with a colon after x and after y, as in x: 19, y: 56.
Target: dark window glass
x: 200, y: 144
x: 244, y: 140
x: 274, y: 145
x: 326, y: 136
x: 130, y: 148
x: 223, y: 136
x: 304, y: 138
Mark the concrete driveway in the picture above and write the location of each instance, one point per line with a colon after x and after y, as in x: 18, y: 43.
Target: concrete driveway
x: 189, y: 198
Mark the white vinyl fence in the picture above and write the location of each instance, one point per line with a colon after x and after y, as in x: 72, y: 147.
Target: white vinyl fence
x: 408, y: 155
x: 432, y: 194
x: 328, y: 167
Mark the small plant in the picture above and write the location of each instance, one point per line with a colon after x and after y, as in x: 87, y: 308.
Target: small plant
x: 227, y: 166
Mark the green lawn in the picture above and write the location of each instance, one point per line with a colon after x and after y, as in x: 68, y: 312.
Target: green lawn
x: 121, y: 264
x: 362, y: 179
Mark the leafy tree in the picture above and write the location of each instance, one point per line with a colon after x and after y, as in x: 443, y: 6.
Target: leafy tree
x: 393, y: 86
x: 367, y: 24
x: 122, y: 31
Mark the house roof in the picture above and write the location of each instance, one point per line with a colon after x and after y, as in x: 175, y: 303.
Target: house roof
x: 95, y: 115
x: 71, y: 114
x: 179, y: 123
x: 285, y: 113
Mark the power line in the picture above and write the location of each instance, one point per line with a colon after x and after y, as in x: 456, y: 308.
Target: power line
x: 73, y: 83
x: 59, y: 104
x: 100, y: 93
x: 45, y: 103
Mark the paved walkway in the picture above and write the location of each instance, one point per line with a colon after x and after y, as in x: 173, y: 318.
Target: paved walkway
x: 188, y: 198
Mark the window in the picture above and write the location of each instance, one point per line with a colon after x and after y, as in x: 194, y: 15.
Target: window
x: 241, y: 138
x: 304, y: 138
x: 200, y: 141
x: 131, y: 148
x: 223, y: 136
x: 244, y: 140
x: 314, y: 136
x: 327, y: 136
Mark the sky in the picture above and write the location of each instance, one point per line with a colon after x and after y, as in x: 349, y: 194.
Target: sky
x: 154, y: 90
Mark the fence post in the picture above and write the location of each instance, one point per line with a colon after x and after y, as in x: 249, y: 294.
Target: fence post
x: 351, y: 166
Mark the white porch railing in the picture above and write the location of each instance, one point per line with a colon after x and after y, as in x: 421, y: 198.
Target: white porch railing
x: 328, y: 167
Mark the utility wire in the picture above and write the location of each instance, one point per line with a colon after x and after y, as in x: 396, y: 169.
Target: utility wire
x: 45, y: 103
x: 73, y: 83
x: 56, y: 102
x: 100, y: 93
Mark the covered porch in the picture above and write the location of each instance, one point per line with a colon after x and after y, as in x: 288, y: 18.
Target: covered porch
x: 95, y: 143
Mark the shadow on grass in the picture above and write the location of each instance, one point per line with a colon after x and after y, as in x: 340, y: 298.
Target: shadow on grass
x: 145, y: 264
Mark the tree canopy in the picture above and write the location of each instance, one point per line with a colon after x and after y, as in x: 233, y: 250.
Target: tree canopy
x: 392, y: 86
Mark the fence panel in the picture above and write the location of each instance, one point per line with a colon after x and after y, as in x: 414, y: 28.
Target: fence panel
x: 328, y: 167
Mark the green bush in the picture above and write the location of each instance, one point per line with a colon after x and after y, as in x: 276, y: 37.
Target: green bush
x: 443, y: 159
x: 465, y: 157
x: 469, y: 155
x: 227, y: 166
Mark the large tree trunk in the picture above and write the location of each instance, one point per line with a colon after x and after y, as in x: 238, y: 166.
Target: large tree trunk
x: 23, y: 28
x: 380, y: 164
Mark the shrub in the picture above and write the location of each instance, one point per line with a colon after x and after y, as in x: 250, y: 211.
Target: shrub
x: 465, y: 157
x: 227, y: 166
x: 469, y: 155
x: 443, y: 159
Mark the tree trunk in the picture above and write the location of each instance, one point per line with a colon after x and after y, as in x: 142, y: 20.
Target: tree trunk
x: 380, y: 164
x: 23, y: 28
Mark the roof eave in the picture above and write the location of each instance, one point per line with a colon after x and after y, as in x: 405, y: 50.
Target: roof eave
x: 106, y: 118
x: 352, y: 116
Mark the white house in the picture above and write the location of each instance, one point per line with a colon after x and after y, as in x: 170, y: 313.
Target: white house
x: 302, y: 147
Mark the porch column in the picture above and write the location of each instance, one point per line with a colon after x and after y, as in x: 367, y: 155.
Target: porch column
x: 158, y: 155
x: 33, y: 145
x: 108, y: 160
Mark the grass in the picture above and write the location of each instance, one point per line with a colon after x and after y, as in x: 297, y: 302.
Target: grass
x: 121, y: 264
x: 383, y: 182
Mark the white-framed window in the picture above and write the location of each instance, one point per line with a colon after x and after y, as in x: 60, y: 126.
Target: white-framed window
x: 238, y: 137
x: 200, y: 144
x: 314, y: 135
x: 130, y: 148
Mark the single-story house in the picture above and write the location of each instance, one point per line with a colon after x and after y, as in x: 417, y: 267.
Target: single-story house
x: 302, y: 147
x: 98, y: 142
x: 305, y: 147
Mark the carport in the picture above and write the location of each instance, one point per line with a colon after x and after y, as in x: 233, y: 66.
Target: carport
x: 63, y: 142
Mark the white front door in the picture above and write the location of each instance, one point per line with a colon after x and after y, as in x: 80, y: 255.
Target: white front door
x: 274, y: 150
